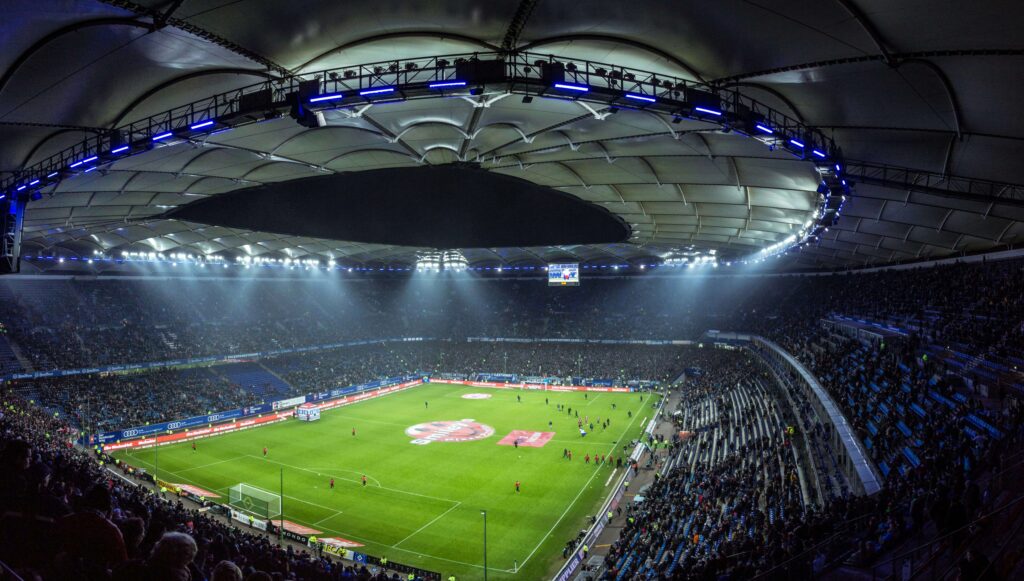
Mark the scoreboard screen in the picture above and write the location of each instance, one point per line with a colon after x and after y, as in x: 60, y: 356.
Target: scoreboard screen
x: 563, y: 275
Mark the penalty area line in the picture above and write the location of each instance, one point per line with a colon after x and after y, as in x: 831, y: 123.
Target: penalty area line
x: 350, y: 535
x: 208, y: 465
x: 417, y: 531
x: 350, y: 480
x: 225, y: 488
x: 336, y: 513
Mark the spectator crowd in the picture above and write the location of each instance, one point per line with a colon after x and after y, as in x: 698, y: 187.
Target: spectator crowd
x: 753, y: 486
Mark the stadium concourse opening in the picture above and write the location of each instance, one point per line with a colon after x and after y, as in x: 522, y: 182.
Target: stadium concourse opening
x: 446, y: 206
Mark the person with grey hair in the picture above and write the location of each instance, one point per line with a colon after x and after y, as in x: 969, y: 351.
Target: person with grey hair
x: 226, y: 571
x: 171, y: 558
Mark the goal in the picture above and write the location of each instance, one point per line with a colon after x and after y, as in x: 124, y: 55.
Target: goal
x: 255, y: 501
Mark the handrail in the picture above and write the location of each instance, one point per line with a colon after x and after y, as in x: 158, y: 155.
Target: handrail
x: 954, y: 562
x: 942, y: 538
x: 844, y: 529
x: 10, y: 573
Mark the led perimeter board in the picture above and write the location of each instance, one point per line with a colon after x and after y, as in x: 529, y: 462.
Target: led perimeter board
x: 563, y: 275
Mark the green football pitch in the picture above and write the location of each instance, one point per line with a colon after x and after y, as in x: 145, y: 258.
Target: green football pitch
x: 422, y: 502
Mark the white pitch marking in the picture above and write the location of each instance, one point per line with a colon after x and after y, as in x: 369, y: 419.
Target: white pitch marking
x: 610, y: 476
x: 573, y: 503
x: 417, y: 531
x: 349, y: 480
x: 325, y: 519
x: 208, y: 465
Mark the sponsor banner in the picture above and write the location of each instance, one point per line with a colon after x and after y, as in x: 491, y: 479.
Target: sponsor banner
x: 366, y: 395
x: 241, y: 424
x: 499, y: 377
x: 294, y: 537
x: 289, y: 403
x: 466, y: 430
x: 295, y: 528
x: 200, y: 433
x: 337, y: 551
x: 339, y: 547
x: 339, y: 542
x: 196, y: 491
x: 143, y: 431
x: 532, y: 386
x: 249, y: 520
x: 526, y: 439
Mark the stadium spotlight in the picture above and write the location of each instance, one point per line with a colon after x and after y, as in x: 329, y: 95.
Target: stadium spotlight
x: 454, y: 260
x: 429, y: 261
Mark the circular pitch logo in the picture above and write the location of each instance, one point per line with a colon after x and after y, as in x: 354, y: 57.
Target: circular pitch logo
x: 477, y: 396
x: 449, y: 431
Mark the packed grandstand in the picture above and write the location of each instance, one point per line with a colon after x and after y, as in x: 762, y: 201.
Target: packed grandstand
x: 749, y: 484
x: 511, y: 291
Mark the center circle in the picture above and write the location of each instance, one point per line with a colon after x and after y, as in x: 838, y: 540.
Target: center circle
x: 449, y: 431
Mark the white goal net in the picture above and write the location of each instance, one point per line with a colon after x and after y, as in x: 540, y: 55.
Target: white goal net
x: 255, y: 501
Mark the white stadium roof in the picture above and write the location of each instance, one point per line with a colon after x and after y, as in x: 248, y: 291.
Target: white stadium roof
x: 922, y: 99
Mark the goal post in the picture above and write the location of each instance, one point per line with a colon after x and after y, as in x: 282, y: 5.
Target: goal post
x: 255, y: 501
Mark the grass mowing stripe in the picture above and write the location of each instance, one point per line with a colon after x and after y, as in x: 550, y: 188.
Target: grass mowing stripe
x: 357, y: 481
x: 350, y: 535
x: 208, y: 465
x: 417, y: 531
x: 329, y: 517
x: 437, y: 526
x: 571, y: 504
x: 302, y: 500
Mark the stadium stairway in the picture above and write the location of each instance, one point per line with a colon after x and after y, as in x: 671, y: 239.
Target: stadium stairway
x: 290, y: 388
x: 11, y: 359
x: 255, y: 378
x: 637, y: 483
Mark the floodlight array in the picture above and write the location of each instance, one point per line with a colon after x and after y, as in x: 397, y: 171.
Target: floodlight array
x: 546, y: 76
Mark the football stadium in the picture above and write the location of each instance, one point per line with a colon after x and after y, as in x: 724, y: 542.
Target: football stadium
x: 517, y: 290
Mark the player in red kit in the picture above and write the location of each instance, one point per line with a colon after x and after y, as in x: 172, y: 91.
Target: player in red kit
x: 364, y: 480
x: 332, y: 484
x: 264, y: 451
x: 517, y: 487
x: 353, y: 432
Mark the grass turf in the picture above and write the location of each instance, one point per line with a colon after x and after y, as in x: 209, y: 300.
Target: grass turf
x: 422, y: 503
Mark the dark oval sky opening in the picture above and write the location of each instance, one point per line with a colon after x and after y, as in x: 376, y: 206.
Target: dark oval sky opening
x: 449, y: 206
